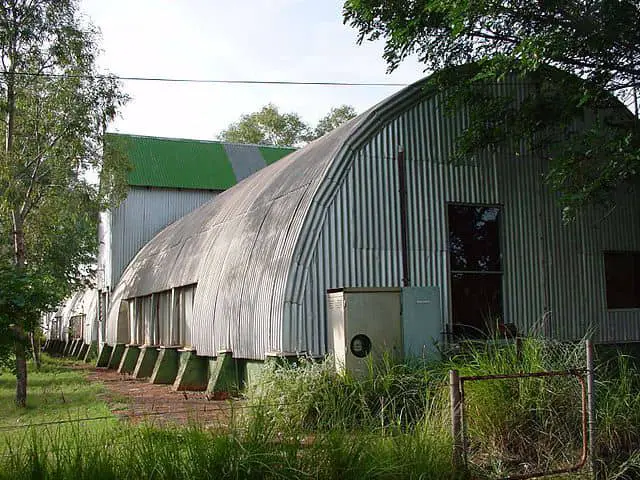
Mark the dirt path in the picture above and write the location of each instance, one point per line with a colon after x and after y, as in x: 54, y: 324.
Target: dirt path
x: 141, y: 401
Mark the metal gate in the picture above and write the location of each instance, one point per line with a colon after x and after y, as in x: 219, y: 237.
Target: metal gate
x: 583, y: 376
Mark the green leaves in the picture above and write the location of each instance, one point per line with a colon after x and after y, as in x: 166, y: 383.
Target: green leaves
x: 56, y: 108
x: 267, y: 127
x: 24, y: 295
x: 336, y: 117
x: 581, y: 56
x: 270, y: 127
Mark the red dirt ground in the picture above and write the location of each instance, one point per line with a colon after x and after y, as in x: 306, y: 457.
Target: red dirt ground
x: 141, y: 401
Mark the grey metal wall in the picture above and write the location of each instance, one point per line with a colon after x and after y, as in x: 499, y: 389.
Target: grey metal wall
x: 553, y: 273
x: 140, y: 217
x: 83, y: 303
x: 264, y: 252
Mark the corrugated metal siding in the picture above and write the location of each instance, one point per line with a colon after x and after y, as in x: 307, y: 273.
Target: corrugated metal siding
x: 244, y: 159
x: 553, y: 274
x: 264, y: 252
x: 243, y: 244
x: 90, y: 310
x: 191, y: 164
x: 103, y: 274
x: 142, y: 215
x: 81, y: 307
x: 360, y: 242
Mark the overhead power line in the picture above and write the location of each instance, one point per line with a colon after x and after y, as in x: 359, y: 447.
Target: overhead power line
x: 212, y: 81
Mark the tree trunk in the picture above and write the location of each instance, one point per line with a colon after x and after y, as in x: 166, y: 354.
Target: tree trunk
x: 21, y: 372
x: 35, y: 347
x: 18, y: 230
x: 21, y: 337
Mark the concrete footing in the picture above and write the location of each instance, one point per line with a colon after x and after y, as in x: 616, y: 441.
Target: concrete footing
x: 116, y: 355
x: 166, y: 368
x: 104, y: 356
x: 223, y: 374
x: 146, y: 361
x: 129, y: 359
x: 192, y: 372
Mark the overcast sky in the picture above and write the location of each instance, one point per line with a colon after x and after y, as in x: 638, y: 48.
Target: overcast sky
x: 290, y: 40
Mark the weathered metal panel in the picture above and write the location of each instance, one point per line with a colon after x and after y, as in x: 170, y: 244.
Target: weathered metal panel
x: 140, y: 217
x: 245, y: 159
x: 104, y: 268
x: 360, y: 242
x: 264, y: 252
x: 553, y: 278
x: 90, y: 310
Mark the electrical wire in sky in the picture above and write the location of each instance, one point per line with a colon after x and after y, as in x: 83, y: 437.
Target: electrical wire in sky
x: 211, y: 81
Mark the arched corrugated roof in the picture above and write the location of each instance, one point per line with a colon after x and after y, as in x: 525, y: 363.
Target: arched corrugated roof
x: 248, y: 249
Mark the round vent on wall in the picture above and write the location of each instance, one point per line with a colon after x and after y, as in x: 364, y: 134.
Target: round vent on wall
x: 360, y: 345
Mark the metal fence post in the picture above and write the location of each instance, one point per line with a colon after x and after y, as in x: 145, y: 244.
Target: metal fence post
x: 456, y: 417
x: 591, y: 408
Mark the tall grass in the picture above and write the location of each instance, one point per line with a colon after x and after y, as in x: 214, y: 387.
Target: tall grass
x: 511, y: 426
x: 152, y: 453
x: 305, y: 421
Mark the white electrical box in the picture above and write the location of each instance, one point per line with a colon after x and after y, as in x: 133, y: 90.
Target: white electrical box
x: 364, y: 325
x: 367, y: 323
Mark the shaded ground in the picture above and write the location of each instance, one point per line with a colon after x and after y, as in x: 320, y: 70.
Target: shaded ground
x: 141, y: 401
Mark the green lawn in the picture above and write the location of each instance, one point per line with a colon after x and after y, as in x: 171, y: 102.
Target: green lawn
x: 57, y: 392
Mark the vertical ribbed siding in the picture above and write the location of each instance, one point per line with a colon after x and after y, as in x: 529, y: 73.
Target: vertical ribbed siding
x: 327, y: 216
x: 360, y: 243
x: 90, y: 309
x: 141, y: 216
x: 553, y: 273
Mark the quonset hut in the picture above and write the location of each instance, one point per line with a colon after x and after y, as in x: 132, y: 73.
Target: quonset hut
x: 375, y: 203
x: 170, y: 177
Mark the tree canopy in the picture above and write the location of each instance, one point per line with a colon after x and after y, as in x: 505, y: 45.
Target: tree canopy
x: 596, y: 41
x: 267, y: 127
x: 270, y: 127
x: 56, y: 107
x: 336, y: 117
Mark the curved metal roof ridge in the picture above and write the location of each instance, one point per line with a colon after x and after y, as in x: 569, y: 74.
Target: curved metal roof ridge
x: 292, y: 194
x: 371, y: 122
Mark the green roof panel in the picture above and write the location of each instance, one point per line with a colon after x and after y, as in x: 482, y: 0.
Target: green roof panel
x: 273, y: 154
x: 182, y: 163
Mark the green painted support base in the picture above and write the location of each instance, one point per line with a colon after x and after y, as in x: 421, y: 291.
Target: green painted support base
x: 193, y: 372
x: 116, y: 355
x: 252, y: 371
x: 223, y: 374
x: 146, y: 361
x: 91, y: 352
x: 129, y: 359
x: 166, y: 368
x: 104, y: 356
